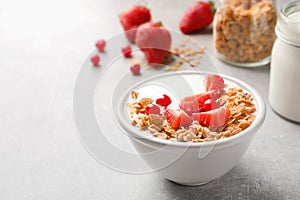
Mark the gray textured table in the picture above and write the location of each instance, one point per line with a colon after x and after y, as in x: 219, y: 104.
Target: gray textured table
x: 42, y: 46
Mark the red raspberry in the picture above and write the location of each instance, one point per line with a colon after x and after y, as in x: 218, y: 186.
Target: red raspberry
x: 152, y: 109
x: 100, y: 45
x: 127, y: 51
x: 135, y: 69
x: 95, y: 59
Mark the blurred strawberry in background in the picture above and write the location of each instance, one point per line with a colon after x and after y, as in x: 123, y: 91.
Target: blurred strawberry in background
x: 197, y: 16
x: 155, y: 42
x: 132, y: 18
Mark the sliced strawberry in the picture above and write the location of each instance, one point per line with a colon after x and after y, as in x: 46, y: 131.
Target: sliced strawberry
x: 152, y: 109
x: 215, y: 94
x: 164, y: 101
x: 201, y: 98
x: 177, y: 118
x: 212, y: 119
x: 214, y: 82
x: 195, y: 103
x: 190, y: 105
x: 172, y: 117
x: 210, y: 104
x: 185, y: 119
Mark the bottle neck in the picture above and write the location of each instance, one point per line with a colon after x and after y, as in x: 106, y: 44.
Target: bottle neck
x: 288, y: 24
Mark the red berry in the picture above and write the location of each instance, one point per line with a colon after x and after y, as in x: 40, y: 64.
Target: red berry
x: 185, y: 120
x: 135, y: 69
x: 197, y: 16
x: 190, y: 105
x: 164, y: 101
x: 100, y: 44
x: 213, y: 118
x: 201, y: 98
x: 95, y: 59
x: 154, y: 41
x: 195, y: 103
x: 132, y: 18
x: 210, y: 104
x: 214, y: 83
x: 127, y: 51
x: 152, y: 109
x: 177, y: 118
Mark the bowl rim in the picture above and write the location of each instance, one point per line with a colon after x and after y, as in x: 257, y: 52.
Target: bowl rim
x: 260, y: 116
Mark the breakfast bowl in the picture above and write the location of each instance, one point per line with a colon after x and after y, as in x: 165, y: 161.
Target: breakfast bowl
x: 101, y: 100
x: 187, y: 163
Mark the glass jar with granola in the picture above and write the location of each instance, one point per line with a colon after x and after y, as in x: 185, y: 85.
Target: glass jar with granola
x: 244, y: 32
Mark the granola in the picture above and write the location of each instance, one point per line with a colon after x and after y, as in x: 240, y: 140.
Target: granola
x: 244, y: 30
x: 186, y: 53
x: 239, y: 103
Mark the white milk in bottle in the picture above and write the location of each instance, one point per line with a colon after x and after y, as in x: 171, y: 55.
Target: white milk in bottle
x: 284, y: 94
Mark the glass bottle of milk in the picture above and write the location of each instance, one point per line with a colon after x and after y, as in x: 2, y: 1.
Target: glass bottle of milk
x: 284, y: 94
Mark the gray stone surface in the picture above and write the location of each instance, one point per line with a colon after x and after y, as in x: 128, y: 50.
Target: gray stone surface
x: 42, y: 47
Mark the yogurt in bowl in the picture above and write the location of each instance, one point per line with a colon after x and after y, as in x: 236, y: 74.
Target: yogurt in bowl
x: 209, y: 153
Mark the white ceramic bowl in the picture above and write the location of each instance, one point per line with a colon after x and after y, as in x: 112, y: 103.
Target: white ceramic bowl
x: 192, y: 163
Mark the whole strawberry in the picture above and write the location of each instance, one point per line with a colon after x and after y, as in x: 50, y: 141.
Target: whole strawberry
x: 199, y: 15
x: 132, y: 18
x: 155, y: 42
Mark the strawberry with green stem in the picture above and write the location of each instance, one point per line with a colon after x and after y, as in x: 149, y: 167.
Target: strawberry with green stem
x: 132, y: 18
x: 197, y: 16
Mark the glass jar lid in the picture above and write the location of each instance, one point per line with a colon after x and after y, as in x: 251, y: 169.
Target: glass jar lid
x: 288, y: 25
